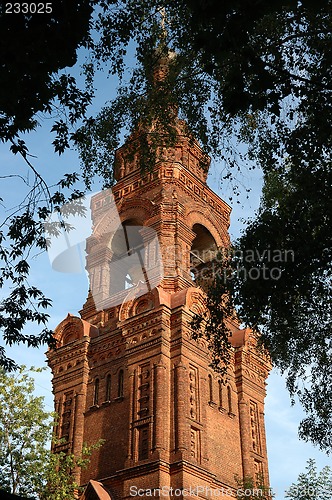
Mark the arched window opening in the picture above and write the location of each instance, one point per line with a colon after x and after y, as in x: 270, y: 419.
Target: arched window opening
x: 220, y: 394
x: 120, y: 384
x: 229, y: 397
x: 96, y: 393
x: 210, y: 388
x: 203, y: 251
x: 127, y: 264
x: 127, y: 239
x: 108, y: 388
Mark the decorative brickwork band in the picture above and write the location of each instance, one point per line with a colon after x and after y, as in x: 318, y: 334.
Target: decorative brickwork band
x: 181, y: 443
x: 158, y: 413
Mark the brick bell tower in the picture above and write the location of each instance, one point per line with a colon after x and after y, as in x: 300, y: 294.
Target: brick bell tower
x: 127, y: 370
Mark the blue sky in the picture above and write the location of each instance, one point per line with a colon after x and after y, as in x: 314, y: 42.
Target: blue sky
x: 287, y: 455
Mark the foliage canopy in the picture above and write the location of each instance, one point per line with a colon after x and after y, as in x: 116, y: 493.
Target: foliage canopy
x: 312, y: 485
x: 254, y: 86
x: 27, y: 465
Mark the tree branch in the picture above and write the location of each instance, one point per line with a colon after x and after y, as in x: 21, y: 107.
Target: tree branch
x: 37, y: 174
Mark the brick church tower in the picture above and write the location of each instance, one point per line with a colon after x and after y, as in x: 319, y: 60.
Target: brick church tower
x: 128, y: 371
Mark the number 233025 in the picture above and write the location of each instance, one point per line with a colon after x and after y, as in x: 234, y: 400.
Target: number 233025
x: 28, y: 8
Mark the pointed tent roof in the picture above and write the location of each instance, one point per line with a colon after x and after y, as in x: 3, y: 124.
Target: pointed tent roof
x: 96, y: 491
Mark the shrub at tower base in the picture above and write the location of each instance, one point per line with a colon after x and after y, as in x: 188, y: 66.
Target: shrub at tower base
x: 27, y: 465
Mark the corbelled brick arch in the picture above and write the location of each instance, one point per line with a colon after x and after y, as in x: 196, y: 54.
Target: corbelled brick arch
x: 134, y: 305
x: 215, y: 224
x: 106, y: 221
x: 73, y: 328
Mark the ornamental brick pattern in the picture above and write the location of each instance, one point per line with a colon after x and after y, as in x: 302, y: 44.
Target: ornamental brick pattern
x: 132, y: 375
